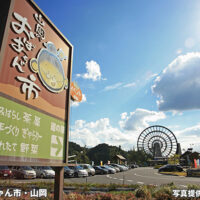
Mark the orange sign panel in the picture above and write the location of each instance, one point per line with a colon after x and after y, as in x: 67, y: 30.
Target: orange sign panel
x: 75, y: 92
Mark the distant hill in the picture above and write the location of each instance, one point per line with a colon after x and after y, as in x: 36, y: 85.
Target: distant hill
x: 74, y: 148
x: 80, y: 152
x: 101, y: 152
x: 104, y: 152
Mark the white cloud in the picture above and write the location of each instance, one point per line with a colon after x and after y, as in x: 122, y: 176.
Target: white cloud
x: 139, y: 83
x: 76, y: 103
x: 193, y: 130
x: 178, y: 86
x: 139, y: 119
x: 149, y: 75
x: 79, y: 124
x: 93, y: 71
x: 133, y: 84
x: 131, y: 125
x: 175, y: 113
x: 119, y: 85
x: 101, y: 131
x: 124, y: 115
x: 189, y: 137
x: 189, y: 42
x: 113, y: 87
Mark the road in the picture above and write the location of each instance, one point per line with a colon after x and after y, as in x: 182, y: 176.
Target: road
x: 142, y: 175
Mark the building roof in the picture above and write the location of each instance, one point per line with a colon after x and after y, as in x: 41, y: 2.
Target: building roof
x: 121, y: 157
x: 189, y: 153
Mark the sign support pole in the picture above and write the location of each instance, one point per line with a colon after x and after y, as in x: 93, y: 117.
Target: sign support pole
x: 58, y: 183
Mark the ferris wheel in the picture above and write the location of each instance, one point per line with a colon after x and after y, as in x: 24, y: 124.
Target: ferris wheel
x: 157, y: 140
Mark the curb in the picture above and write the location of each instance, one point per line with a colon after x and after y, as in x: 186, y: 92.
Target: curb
x: 171, y: 174
x: 95, y: 190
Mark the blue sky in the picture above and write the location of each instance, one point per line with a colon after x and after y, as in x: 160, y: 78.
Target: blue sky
x: 137, y: 63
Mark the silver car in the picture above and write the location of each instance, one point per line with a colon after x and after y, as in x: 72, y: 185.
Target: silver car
x: 114, y: 167
x: 110, y: 170
x: 44, y: 172
x: 79, y: 171
x: 89, y: 169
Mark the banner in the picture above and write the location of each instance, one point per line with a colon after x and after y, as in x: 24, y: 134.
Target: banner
x: 195, y: 163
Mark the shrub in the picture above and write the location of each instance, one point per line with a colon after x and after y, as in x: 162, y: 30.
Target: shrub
x: 193, y: 187
x: 143, y: 192
x: 112, y: 186
x: 163, y: 193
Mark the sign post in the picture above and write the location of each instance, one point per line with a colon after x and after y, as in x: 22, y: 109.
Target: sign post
x: 58, y: 183
x: 35, y: 77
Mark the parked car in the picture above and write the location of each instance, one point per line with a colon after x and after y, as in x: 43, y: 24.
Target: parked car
x: 170, y: 168
x: 68, y: 173
x: 5, y: 172
x: 119, y: 166
x: 110, y: 170
x: 23, y: 172
x: 100, y: 170
x: 115, y: 167
x: 124, y: 167
x: 89, y: 169
x: 79, y: 171
x: 193, y: 172
x: 132, y: 166
x: 44, y: 172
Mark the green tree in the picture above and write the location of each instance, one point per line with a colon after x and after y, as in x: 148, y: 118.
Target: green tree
x: 80, y: 152
x: 139, y: 157
x: 175, y: 159
x: 82, y: 157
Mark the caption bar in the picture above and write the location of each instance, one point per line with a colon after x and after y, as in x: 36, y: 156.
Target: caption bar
x: 34, y: 193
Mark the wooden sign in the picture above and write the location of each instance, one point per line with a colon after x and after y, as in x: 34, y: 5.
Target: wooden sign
x: 35, y: 75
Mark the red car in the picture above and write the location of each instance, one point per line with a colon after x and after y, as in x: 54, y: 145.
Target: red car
x: 23, y: 172
x: 5, y: 172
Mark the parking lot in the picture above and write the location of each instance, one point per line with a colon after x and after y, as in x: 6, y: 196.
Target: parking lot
x: 141, y: 175
x: 46, y: 172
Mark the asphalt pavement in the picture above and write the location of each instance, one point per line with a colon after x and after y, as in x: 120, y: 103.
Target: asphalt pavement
x: 142, y: 175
